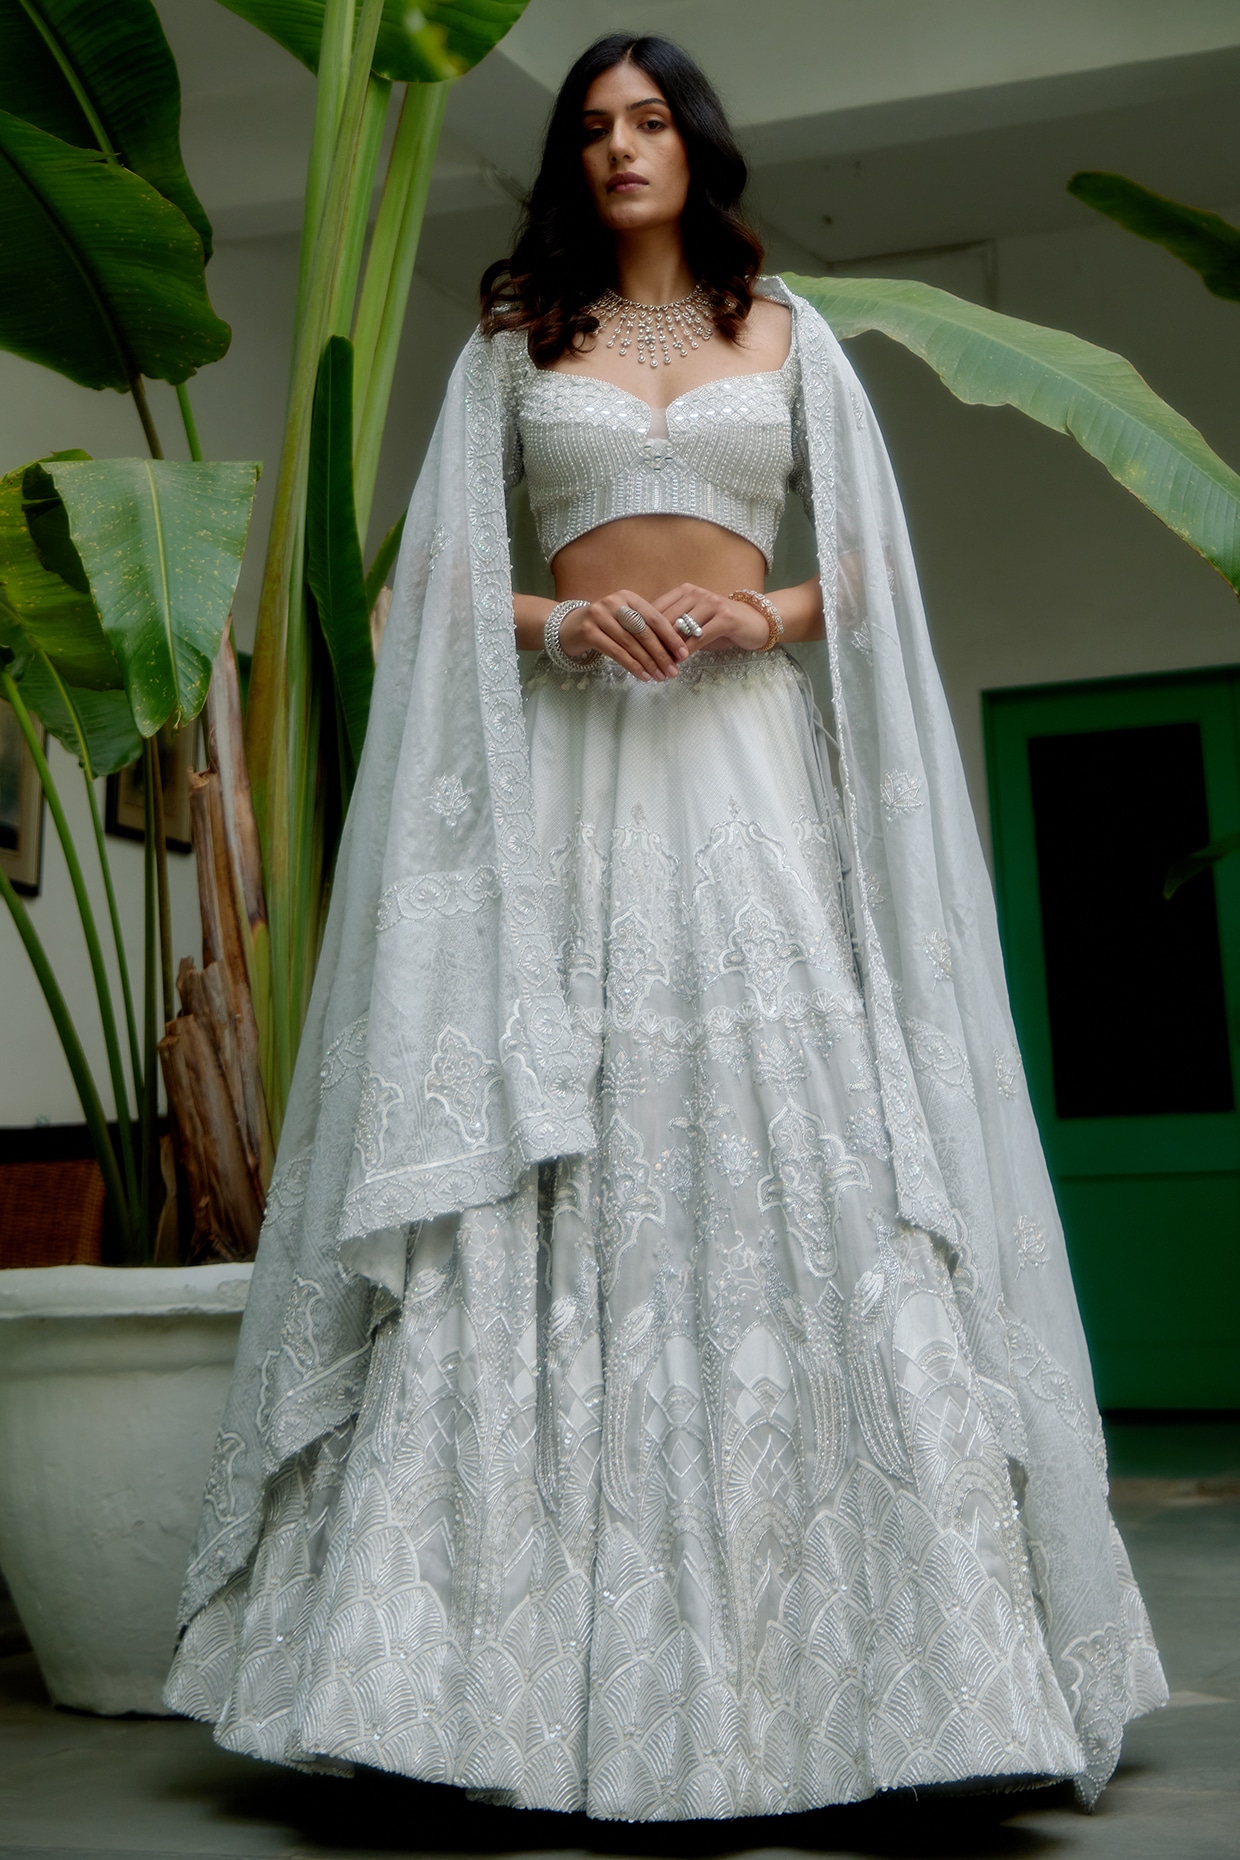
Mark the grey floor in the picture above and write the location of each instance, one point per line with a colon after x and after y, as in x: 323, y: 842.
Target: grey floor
x: 72, y: 1786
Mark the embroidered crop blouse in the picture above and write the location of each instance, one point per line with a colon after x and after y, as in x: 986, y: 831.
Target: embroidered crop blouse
x: 726, y: 450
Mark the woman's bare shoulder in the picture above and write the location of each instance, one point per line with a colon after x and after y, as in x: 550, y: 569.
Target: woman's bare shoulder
x: 768, y: 330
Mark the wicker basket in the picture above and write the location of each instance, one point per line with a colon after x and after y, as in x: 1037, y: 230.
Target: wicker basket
x: 51, y: 1213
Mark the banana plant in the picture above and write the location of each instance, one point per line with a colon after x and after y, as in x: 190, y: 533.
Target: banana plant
x: 106, y: 241
x: 116, y: 576
x: 312, y: 662
x: 1063, y: 382
x: 116, y: 581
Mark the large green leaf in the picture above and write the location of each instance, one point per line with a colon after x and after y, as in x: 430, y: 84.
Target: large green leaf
x: 333, y: 554
x: 1063, y: 382
x: 161, y: 542
x: 42, y: 611
x: 100, y: 77
x: 1208, y: 244
x: 108, y: 729
x: 103, y: 278
x: 417, y: 44
x: 50, y: 633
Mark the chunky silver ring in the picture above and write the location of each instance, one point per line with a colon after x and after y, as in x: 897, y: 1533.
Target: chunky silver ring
x: 688, y: 627
x: 630, y: 620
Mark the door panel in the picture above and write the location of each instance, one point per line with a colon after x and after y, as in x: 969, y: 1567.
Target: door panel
x: 1126, y: 1006
x: 1157, y: 1271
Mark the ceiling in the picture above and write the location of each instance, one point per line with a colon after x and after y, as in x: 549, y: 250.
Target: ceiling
x: 872, y: 126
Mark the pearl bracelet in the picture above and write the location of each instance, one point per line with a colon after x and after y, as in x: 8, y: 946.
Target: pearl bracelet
x: 551, y: 640
x: 767, y: 608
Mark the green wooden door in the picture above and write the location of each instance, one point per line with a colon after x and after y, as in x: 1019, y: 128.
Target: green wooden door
x: 1128, y: 1009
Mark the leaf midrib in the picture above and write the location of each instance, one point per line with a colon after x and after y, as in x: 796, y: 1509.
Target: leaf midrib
x: 128, y: 365
x: 165, y: 590
x: 52, y: 40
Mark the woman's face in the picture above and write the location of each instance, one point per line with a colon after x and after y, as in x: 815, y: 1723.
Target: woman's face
x: 635, y: 162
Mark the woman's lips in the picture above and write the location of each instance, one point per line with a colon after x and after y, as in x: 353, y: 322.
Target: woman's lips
x: 625, y: 184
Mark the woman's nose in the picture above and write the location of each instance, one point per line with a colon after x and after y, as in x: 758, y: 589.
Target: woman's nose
x: 621, y: 148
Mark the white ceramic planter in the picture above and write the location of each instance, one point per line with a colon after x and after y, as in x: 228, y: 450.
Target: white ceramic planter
x: 112, y: 1385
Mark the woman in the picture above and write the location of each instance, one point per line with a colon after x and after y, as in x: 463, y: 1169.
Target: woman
x: 661, y: 1392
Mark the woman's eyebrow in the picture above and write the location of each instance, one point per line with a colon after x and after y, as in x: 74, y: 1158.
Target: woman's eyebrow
x: 643, y: 104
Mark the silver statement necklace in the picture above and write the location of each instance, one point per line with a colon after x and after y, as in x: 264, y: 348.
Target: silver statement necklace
x: 655, y: 329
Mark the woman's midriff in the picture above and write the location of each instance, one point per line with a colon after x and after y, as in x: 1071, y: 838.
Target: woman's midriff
x: 650, y: 556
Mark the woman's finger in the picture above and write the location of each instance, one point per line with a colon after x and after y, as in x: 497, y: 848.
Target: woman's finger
x: 699, y: 604
x: 648, y: 645
x: 603, y: 632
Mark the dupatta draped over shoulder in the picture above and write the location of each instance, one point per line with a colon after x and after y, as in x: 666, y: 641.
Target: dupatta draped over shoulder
x: 438, y: 1061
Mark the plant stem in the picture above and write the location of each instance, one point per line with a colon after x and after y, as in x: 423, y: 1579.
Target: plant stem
x: 105, y: 867
x: 310, y: 334
x: 94, y: 950
x: 92, y: 1110
x: 389, y: 277
x: 189, y: 423
x: 150, y: 1031
x: 333, y: 69
x: 144, y: 414
x: 357, y: 216
x: 276, y: 713
x: 161, y: 872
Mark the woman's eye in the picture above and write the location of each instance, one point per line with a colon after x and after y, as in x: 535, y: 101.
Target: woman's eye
x: 654, y: 122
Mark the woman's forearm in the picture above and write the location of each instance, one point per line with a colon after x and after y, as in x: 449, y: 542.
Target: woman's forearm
x: 800, y: 609
x: 529, y: 612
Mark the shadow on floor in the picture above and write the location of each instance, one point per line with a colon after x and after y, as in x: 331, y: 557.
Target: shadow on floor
x: 399, y: 1816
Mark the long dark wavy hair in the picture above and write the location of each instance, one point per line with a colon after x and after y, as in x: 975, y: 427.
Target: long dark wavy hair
x: 564, y: 257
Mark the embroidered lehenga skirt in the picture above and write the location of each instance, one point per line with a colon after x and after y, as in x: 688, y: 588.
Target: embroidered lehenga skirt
x: 674, y: 1491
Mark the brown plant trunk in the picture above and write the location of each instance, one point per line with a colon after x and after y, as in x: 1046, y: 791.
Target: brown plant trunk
x: 210, y: 1051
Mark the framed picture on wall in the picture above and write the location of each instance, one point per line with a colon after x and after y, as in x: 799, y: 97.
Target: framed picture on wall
x: 21, y: 808
x: 124, y: 810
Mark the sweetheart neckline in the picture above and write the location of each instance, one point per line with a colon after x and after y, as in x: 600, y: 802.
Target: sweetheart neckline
x: 750, y: 374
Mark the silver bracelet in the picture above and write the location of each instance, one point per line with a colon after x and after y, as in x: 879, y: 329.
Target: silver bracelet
x: 551, y: 640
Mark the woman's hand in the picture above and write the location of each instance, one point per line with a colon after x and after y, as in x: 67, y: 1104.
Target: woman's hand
x: 654, y: 653
x: 724, y: 623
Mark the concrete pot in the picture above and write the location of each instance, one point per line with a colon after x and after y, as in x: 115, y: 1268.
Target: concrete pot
x: 112, y: 1386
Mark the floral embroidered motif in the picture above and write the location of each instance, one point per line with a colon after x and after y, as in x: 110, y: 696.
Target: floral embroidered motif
x: 462, y: 1080
x: 779, y: 1063
x: 1030, y: 1242
x: 435, y: 547
x: 449, y: 798
x: 734, y: 1158
x: 900, y: 793
x: 763, y: 952
x: 378, y: 1096
x: 437, y: 894
x: 812, y: 1169
x: 1009, y: 1073
x: 939, y: 951
x: 345, y: 1055
x: 938, y: 1059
